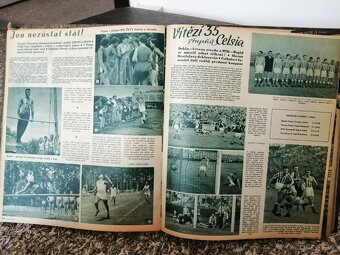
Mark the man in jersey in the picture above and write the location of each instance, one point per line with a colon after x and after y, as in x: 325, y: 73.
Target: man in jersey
x: 303, y: 70
x: 113, y: 193
x: 203, y: 168
x: 259, y: 68
x: 177, y: 124
x: 317, y: 72
x: 296, y: 70
x: 268, y: 67
x: 310, y: 71
x: 309, y: 191
x: 25, y: 114
x: 101, y: 194
x: 286, y: 70
x: 324, y: 72
x: 277, y: 69
x: 142, y: 110
x: 147, y: 192
x: 331, y: 73
x: 283, y: 182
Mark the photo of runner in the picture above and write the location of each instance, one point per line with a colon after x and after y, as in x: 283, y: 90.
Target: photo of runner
x: 128, y: 110
x: 117, y: 196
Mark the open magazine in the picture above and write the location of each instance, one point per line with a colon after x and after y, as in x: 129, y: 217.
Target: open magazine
x: 226, y: 134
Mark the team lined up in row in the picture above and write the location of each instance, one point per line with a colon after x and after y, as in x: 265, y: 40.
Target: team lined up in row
x: 294, y: 71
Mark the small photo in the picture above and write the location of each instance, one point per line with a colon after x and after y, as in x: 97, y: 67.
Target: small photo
x: 231, y: 173
x: 129, y: 59
x: 117, y: 196
x: 33, y: 121
x: 202, y: 214
x: 295, y: 183
x: 128, y: 110
x: 191, y: 170
x: 293, y: 66
x: 41, y: 190
x: 207, y: 126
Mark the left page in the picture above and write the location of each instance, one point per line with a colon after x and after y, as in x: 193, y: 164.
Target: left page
x: 82, y: 127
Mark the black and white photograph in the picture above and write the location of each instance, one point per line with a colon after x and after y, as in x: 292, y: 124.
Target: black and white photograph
x: 191, y: 170
x: 33, y: 121
x: 293, y: 66
x: 128, y: 110
x: 203, y: 214
x: 207, y: 126
x: 130, y: 59
x: 117, y: 196
x: 295, y: 183
x: 231, y: 173
x: 41, y: 190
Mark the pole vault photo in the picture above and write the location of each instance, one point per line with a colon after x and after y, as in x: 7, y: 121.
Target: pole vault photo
x: 33, y: 121
x: 203, y: 214
x: 191, y: 170
x: 41, y: 190
x: 117, y: 196
x: 207, y: 126
x: 294, y: 183
x: 128, y: 110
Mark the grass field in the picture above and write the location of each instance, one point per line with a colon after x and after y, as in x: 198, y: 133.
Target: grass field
x: 186, y: 178
x: 300, y: 216
x: 188, y: 228
x: 214, y: 140
x: 130, y: 209
x: 289, y: 91
x: 154, y: 125
x: 228, y: 168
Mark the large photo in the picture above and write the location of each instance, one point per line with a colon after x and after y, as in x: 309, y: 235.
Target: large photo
x: 128, y: 110
x: 41, y: 190
x: 294, y: 66
x: 202, y: 214
x: 207, y: 126
x: 33, y: 121
x: 130, y: 59
x: 117, y: 196
x: 295, y: 183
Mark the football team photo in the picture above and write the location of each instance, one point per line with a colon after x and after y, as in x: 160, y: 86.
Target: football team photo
x: 116, y: 195
x: 294, y: 66
x: 128, y: 110
x: 295, y: 183
x: 207, y: 126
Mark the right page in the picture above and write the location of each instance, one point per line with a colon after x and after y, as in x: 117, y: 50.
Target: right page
x: 248, y: 128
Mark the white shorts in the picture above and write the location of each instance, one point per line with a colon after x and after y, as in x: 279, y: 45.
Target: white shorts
x: 331, y: 74
x: 317, y: 72
x: 286, y: 70
x: 295, y: 70
x: 309, y: 192
x: 310, y: 72
x: 323, y: 74
x: 277, y: 70
x: 203, y: 168
x: 259, y: 69
x: 278, y: 186
x: 303, y: 70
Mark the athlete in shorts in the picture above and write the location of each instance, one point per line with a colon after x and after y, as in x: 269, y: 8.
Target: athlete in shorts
x: 147, y: 192
x: 113, y: 194
x: 268, y: 67
x: 296, y: 69
x: 142, y: 110
x: 203, y: 168
x: 317, y: 71
x: 259, y: 68
x: 324, y: 72
x: 177, y: 124
x: 101, y: 194
x: 309, y: 191
x: 303, y: 70
x: 331, y: 73
x: 310, y: 70
x: 278, y: 63
x: 286, y: 70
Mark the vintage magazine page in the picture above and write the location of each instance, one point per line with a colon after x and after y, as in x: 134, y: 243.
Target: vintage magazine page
x: 83, y: 119
x: 248, y: 130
